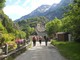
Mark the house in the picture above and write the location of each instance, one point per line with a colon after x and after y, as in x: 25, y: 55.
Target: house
x: 62, y: 36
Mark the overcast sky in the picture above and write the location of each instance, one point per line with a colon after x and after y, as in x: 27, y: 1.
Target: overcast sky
x: 18, y: 8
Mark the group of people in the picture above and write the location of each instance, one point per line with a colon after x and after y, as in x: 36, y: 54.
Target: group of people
x: 40, y: 39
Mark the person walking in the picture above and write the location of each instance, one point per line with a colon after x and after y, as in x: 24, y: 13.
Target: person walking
x: 40, y: 39
x: 46, y: 40
x: 34, y: 40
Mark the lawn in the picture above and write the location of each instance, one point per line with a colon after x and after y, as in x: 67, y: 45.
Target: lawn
x: 71, y: 50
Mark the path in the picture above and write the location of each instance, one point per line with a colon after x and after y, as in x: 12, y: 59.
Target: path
x: 41, y: 53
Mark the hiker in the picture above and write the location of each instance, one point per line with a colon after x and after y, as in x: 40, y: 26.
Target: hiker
x: 34, y: 40
x: 46, y: 40
x: 40, y: 39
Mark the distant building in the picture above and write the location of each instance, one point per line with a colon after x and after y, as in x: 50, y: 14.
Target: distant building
x: 62, y: 36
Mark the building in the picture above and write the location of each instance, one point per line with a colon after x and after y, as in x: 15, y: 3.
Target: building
x: 62, y: 36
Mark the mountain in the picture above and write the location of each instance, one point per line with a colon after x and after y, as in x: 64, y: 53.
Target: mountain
x: 56, y: 10
x: 37, y: 12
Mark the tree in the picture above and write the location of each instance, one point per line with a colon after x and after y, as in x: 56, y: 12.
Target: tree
x: 2, y: 3
x: 28, y: 30
x: 2, y: 28
x: 8, y: 24
x: 66, y: 24
x: 73, y: 17
x: 20, y: 34
x: 53, y: 26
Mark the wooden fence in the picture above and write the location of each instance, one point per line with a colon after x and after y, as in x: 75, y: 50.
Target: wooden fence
x: 7, y: 53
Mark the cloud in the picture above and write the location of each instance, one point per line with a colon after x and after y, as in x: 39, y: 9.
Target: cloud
x: 18, y: 1
x: 13, y: 9
x: 26, y: 2
x: 16, y: 10
x: 9, y: 1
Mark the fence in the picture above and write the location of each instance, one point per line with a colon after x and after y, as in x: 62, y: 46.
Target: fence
x: 7, y: 53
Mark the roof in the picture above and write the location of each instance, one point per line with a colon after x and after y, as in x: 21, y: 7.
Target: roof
x: 62, y: 33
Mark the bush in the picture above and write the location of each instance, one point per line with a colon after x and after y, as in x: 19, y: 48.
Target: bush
x: 12, y: 45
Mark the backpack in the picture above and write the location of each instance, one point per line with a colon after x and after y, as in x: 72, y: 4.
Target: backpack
x: 34, y: 38
x: 40, y: 38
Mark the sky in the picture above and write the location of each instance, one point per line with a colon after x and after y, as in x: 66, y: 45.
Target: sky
x: 18, y: 8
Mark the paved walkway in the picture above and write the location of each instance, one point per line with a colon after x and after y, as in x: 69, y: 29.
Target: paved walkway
x: 41, y: 53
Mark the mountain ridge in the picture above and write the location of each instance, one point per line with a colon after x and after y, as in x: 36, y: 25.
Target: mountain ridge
x: 37, y: 12
x: 50, y: 12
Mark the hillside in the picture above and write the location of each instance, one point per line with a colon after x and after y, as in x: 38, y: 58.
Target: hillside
x: 9, y: 31
x: 32, y: 22
x: 58, y: 10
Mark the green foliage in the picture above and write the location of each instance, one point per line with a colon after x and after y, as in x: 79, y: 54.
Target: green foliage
x: 1, y: 27
x: 8, y: 37
x: 10, y: 40
x: 20, y: 34
x: 66, y: 24
x: 9, y: 31
x: 53, y: 26
x: 72, y: 20
x: 70, y: 50
x: 8, y: 24
x: 28, y: 30
x: 2, y: 3
x: 32, y: 22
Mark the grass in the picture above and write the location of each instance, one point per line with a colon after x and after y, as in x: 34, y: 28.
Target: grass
x: 71, y: 50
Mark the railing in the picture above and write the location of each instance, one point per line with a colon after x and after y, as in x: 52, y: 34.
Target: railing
x: 28, y: 43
